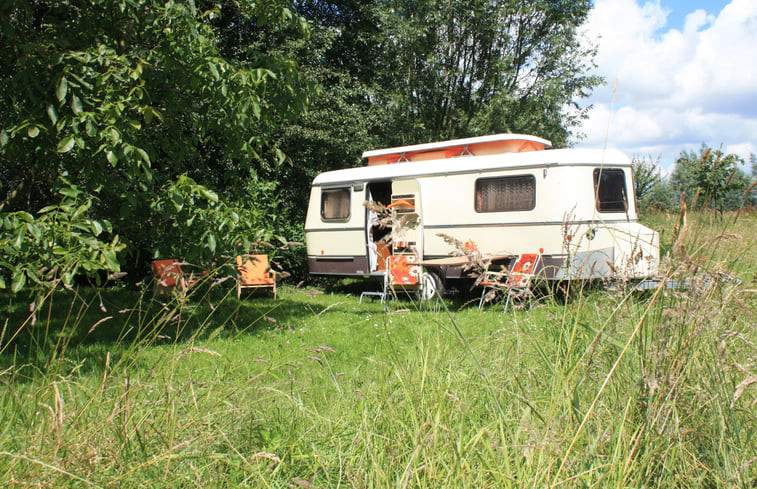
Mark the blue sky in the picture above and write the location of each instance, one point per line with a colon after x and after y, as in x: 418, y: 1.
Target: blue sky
x: 683, y: 72
x: 680, y: 8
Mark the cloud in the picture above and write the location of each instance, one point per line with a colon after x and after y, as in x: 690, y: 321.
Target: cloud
x: 669, y: 89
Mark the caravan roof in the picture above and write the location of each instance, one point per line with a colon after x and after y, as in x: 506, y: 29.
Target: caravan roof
x: 467, y: 164
x: 494, y: 143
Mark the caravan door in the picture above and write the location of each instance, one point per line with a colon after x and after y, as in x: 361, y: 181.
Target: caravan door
x: 407, y: 229
x: 378, y: 226
x: 393, y: 222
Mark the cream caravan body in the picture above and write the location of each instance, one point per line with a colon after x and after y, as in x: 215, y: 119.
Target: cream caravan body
x: 504, y: 194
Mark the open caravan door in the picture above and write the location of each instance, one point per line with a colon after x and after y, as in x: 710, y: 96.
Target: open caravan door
x: 395, y: 236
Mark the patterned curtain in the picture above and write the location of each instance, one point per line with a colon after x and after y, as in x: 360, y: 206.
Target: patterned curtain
x: 506, y: 194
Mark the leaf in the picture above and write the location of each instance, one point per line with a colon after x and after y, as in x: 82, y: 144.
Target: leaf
x: 2, y: 283
x: 76, y: 105
x: 18, y: 281
x: 147, y: 114
x: 212, y: 243
x: 178, y: 202
x: 111, y: 262
x: 33, y: 131
x: 65, y: 144
x: 209, y: 194
x: 70, y: 192
x: 20, y: 232
x: 111, y: 157
x: 62, y: 89
x: 3, y: 138
x: 280, y: 156
x: 144, y: 155
x: 34, y: 231
x: 256, y: 109
x: 214, y: 71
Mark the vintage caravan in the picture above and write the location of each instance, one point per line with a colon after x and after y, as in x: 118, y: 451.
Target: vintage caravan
x: 501, y: 195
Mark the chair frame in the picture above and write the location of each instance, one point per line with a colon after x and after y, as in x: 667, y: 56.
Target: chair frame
x: 516, y: 279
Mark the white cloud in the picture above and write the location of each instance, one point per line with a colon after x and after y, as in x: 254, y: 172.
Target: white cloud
x: 674, y: 89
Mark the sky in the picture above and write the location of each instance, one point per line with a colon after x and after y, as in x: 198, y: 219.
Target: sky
x: 678, y: 73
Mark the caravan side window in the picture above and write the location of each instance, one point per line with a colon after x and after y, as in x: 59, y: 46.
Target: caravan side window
x: 502, y: 194
x: 335, y: 204
x: 610, y: 190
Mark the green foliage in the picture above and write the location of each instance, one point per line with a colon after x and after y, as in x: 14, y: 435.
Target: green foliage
x: 56, y: 245
x: 646, y: 177
x: 661, y: 196
x: 135, y: 99
x: 711, y: 177
x: 447, y: 69
x: 125, y: 96
x: 198, y: 226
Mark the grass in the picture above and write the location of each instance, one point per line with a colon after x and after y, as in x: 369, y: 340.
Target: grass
x: 609, y: 389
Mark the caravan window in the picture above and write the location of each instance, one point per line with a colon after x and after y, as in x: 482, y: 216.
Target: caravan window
x: 335, y: 204
x: 506, y: 194
x: 610, y: 190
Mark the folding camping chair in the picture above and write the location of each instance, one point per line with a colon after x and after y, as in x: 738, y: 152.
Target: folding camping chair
x: 515, y: 282
x: 400, y: 272
x: 254, y: 273
x: 168, y: 276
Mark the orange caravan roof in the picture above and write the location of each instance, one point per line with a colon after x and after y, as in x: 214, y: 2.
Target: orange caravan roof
x: 478, y: 146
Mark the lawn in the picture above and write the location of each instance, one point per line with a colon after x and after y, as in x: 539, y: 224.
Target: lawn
x: 110, y: 388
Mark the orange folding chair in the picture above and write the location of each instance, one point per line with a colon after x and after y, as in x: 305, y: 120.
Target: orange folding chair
x: 168, y: 276
x: 516, y: 281
x: 255, y: 272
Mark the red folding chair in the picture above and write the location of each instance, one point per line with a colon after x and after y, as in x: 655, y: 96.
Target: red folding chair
x: 515, y: 282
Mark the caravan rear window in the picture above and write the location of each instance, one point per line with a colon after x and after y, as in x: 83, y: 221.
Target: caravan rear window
x: 610, y: 190
x: 502, y: 194
x: 335, y: 204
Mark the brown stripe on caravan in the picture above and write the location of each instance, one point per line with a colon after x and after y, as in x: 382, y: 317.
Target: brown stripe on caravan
x: 338, y: 265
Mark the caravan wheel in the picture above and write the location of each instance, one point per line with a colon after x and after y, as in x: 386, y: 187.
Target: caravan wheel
x: 431, y: 286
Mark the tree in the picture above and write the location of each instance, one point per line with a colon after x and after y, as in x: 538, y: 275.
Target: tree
x: 452, y: 69
x: 439, y: 70
x: 710, y: 178
x: 123, y: 97
x: 646, y: 175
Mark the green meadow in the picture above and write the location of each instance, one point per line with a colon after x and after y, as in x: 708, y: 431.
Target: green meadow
x: 592, y: 387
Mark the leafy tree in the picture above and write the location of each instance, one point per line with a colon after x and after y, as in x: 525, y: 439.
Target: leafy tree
x: 453, y: 69
x: 125, y: 96
x: 646, y: 175
x: 710, y: 176
x: 438, y: 70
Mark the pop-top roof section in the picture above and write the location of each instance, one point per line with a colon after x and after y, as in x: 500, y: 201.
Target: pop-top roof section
x: 477, y: 146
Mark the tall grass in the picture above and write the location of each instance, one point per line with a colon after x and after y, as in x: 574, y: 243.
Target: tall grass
x: 608, y: 389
